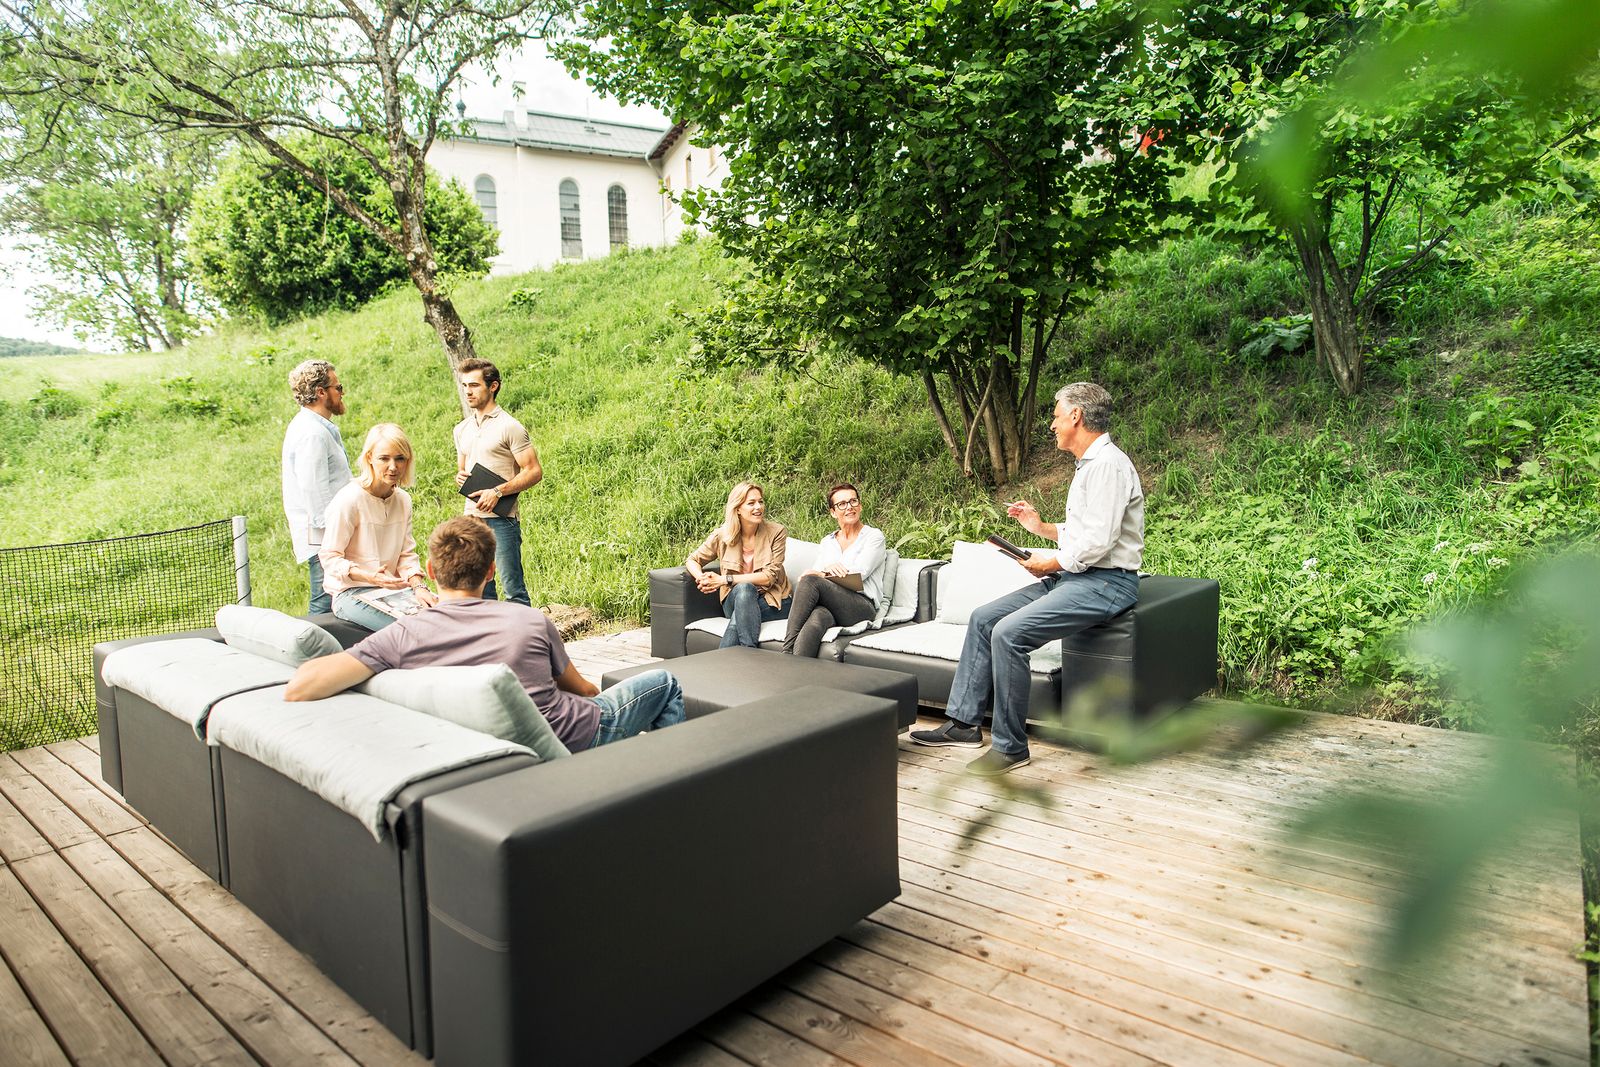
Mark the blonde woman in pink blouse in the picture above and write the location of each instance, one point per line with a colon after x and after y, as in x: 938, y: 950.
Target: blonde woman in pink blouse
x: 367, y: 542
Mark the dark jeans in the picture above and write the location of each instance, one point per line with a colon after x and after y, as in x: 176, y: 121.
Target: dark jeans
x: 507, y: 561
x: 994, y: 673
x: 746, y: 609
x: 818, y: 606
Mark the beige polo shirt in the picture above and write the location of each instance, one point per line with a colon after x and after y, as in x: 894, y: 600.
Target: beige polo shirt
x: 493, y: 440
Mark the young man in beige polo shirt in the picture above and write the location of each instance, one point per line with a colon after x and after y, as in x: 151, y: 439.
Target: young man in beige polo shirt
x: 492, y: 437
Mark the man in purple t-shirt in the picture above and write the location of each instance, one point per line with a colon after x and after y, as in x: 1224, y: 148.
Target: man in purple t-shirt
x: 464, y: 630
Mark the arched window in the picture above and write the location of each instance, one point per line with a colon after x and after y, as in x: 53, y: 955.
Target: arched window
x: 617, y: 215
x: 483, y: 192
x: 571, y: 229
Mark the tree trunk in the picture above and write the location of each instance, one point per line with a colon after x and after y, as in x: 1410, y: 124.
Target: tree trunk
x: 1335, y: 320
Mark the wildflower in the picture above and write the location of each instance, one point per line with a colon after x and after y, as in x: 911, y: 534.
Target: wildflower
x: 1309, y: 564
x: 1441, y: 546
x: 1478, y: 547
x: 1496, y: 561
x: 1430, y: 577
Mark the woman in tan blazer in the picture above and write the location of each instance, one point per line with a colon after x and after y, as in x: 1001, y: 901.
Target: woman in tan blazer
x: 751, y: 580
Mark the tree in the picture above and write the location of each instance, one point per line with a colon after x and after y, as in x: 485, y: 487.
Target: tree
x: 267, y: 243
x: 928, y: 185
x: 104, y: 213
x: 373, y: 77
x: 1276, y: 104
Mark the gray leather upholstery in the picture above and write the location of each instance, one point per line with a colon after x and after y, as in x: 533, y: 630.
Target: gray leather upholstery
x: 585, y: 911
x: 727, y: 677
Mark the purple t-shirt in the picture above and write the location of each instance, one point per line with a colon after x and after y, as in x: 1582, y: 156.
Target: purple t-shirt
x: 473, y: 633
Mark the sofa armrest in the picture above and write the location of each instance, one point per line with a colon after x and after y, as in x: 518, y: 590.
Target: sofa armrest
x: 928, y: 592
x: 675, y: 602
x: 675, y: 871
x: 105, y: 699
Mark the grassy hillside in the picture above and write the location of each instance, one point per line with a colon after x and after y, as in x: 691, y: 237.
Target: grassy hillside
x: 1332, y: 523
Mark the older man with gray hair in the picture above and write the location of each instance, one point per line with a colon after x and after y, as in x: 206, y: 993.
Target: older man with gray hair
x: 1093, y: 577
x: 314, y: 465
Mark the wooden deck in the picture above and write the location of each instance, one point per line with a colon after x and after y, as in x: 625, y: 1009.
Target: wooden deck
x: 1145, y: 915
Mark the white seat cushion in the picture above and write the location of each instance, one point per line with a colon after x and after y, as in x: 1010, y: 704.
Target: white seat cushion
x: 186, y: 677
x: 354, y: 751
x: 943, y: 640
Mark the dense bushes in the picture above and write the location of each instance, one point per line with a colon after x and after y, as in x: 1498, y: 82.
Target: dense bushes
x: 268, y: 244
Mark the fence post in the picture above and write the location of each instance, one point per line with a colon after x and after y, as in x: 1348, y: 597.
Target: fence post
x: 241, y: 558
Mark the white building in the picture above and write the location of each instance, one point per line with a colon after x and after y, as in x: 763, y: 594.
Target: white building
x: 563, y: 188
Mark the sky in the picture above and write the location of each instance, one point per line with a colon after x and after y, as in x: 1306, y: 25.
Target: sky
x: 546, y: 87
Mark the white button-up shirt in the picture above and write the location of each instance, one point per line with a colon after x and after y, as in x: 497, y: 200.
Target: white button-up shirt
x: 314, y: 468
x: 1104, y: 526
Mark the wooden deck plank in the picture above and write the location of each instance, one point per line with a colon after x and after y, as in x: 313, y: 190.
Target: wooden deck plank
x: 178, y: 1025
x: 90, y: 1026
x: 24, y: 1037
x: 86, y: 761
x: 97, y: 811
x: 1201, y: 877
x: 938, y: 790
x: 756, y: 1041
x: 56, y: 822
x: 262, y: 1021
x: 289, y: 974
x: 841, y: 1034
x: 18, y: 838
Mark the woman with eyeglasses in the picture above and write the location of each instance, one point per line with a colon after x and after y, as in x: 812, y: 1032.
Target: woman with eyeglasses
x: 367, y: 546
x: 846, y: 584
x: 750, y: 577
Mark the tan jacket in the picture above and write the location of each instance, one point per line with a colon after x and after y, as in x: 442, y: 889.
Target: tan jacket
x: 771, y: 541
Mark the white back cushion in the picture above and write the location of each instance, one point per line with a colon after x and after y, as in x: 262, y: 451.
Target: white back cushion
x: 798, y: 558
x: 977, y: 574
x: 888, y: 572
x: 273, y: 634
x: 488, y: 699
x: 907, y: 581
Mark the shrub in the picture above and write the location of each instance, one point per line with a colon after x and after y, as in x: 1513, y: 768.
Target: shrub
x: 51, y: 402
x: 266, y: 243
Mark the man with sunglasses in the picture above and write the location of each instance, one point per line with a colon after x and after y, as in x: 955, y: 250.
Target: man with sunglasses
x: 314, y: 465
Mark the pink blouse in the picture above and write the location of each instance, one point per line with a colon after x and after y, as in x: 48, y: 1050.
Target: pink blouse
x: 368, y: 534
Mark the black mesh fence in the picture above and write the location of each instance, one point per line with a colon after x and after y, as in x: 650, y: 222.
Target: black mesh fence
x: 58, y: 601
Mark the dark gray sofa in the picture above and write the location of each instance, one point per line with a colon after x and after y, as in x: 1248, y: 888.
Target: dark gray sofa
x: 515, y: 911
x: 1160, y: 653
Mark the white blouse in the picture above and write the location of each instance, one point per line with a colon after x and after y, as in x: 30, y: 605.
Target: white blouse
x: 866, y: 557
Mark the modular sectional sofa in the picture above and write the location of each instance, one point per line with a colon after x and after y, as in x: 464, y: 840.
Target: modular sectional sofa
x: 1160, y: 653
x: 495, y: 900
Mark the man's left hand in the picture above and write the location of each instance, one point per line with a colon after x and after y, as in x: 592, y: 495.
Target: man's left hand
x: 426, y: 597
x: 1039, y: 566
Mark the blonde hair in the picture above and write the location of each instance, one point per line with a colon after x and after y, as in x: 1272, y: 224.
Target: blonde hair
x: 385, y: 433
x: 730, y: 514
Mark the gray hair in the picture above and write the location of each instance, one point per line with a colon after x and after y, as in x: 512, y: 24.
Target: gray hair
x: 1092, y: 400
x: 307, y: 378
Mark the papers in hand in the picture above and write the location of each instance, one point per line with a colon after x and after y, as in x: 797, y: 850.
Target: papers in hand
x: 397, y: 603
x: 481, y: 477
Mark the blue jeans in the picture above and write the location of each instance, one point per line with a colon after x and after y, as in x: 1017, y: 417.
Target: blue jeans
x: 348, y: 608
x: 746, y: 609
x: 321, y: 603
x: 993, y: 671
x: 507, y: 560
x: 648, y: 701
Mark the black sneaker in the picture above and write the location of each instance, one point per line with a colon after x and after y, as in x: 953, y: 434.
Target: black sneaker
x: 953, y: 733
x: 994, y: 763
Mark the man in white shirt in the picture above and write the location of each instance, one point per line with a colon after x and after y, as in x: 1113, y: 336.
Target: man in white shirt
x: 314, y: 465
x: 490, y: 435
x: 1093, y: 577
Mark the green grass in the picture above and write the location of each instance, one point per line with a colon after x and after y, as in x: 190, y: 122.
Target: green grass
x: 1409, y: 503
